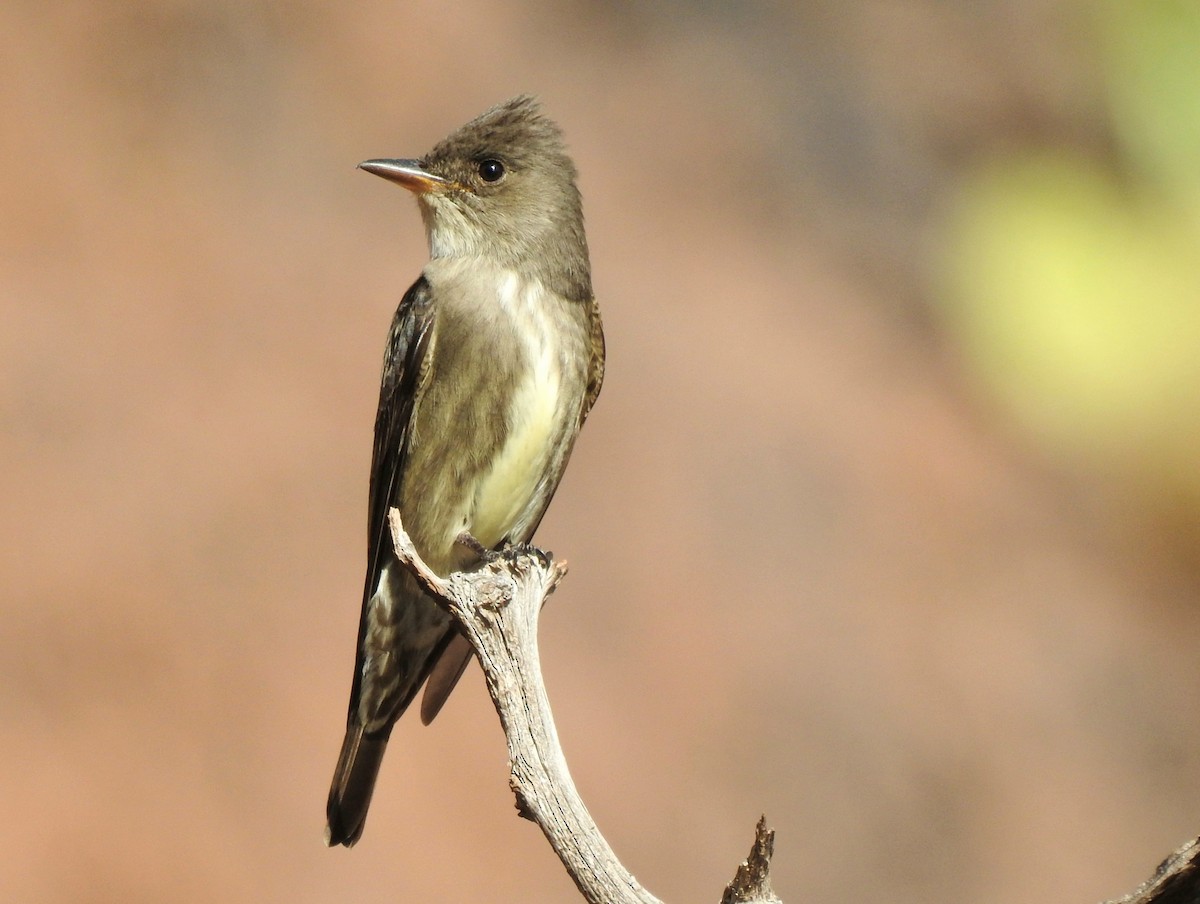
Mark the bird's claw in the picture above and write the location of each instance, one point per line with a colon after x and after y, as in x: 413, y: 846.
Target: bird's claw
x: 467, y: 539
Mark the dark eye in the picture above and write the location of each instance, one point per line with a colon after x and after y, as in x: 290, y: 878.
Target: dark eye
x: 491, y: 170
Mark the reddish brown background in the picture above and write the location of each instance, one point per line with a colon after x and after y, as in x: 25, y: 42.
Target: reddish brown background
x: 813, y: 572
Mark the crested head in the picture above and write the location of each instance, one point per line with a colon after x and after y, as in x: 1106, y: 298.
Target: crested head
x: 509, y: 196
x: 516, y: 129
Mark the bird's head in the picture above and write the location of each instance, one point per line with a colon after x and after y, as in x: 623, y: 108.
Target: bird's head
x: 501, y: 188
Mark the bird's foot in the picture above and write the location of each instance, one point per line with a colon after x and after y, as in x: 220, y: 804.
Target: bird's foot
x: 508, y: 551
x: 467, y: 539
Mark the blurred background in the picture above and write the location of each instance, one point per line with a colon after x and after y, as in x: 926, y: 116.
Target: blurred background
x: 885, y: 523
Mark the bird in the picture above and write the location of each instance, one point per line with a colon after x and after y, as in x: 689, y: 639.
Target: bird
x: 494, y: 358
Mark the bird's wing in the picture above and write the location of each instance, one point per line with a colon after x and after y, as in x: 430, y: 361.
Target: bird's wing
x: 595, y: 374
x: 403, y: 365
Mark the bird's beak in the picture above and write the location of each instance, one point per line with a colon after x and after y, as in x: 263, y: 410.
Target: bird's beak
x: 407, y: 173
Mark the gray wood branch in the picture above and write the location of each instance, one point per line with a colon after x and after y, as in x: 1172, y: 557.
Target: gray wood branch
x: 497, y: 609
x: 1176, y: 881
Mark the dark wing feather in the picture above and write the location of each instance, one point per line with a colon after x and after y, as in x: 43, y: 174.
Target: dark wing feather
x: 595, y: 375
x: 403, y: 364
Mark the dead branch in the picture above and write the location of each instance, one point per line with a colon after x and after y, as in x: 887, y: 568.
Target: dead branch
x: 1176, y: 881
x: 497, y: 609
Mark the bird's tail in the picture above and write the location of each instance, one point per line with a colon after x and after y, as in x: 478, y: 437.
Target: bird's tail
x: 353, y: 783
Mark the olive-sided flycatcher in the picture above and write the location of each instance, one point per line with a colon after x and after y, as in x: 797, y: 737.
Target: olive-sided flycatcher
x: 494, y: 359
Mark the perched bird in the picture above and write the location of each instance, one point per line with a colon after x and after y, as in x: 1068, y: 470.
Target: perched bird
x: 495, y: 357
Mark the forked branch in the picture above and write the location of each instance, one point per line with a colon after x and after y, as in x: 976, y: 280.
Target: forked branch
x: 497, y: 609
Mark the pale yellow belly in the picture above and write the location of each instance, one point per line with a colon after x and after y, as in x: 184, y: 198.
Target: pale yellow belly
x: 506, y: 495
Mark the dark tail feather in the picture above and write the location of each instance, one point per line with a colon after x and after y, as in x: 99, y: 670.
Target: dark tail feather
x: 445, y: 674
x: 353, y: 784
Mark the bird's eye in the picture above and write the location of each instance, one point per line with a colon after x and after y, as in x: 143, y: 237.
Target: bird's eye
x: 491, y: 170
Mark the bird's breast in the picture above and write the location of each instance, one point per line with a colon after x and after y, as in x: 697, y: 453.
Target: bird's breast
x: 511, y: 492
